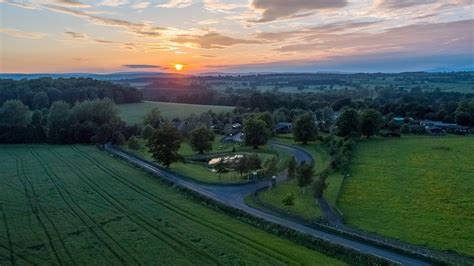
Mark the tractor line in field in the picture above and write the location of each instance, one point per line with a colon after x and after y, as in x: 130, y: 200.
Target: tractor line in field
x: 267, y: 251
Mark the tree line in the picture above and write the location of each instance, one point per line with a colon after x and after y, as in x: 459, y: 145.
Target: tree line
x: 43, y: 92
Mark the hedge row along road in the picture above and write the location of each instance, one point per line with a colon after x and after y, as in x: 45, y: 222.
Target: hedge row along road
x: 233, y: 196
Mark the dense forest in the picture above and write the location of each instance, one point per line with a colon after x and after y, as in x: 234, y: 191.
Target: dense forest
x: 42, y: 93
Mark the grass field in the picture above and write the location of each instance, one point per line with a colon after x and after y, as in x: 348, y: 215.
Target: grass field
x: 78, y: 205
x: 418, y: 189
x: 133, y: 113
x: 305, y: 204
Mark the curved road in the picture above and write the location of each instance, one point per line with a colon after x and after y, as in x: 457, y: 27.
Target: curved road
x: 233, y: 196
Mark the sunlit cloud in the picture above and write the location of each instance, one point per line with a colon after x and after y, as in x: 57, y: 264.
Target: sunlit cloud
x: 281, y: 9
x: 212, y: 40
x: 176, y: 4
x: 23, y: 34
x: 76, y: 35
x: 141, y: 66
x: 113, y: 3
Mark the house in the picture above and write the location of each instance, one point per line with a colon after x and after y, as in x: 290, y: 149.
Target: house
x: 283, y: 128
x: 236, y: 128
x: 434, y: 127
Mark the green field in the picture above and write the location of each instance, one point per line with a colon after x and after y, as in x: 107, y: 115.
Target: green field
x: 305, y: 204
x: 78, y: 205
x: 133, y: 113
x: 417, y: 189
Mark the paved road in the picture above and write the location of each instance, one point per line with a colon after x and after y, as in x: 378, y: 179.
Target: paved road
x: 233, y: 196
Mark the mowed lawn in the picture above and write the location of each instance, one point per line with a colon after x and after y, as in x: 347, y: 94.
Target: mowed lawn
x: 305, y: 205
x: 417, y: 189
x: 78, y: 205
x: 133, y: 113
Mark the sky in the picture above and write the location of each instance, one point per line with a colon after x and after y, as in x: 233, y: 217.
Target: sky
x: 64, y: 36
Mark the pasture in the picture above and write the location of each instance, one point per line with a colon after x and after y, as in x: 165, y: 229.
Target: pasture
x: 417, y: 189
x: 78, y: 205
x: 133, y: 113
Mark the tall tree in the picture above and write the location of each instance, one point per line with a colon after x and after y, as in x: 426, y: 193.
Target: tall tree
x: 348, y: 122
x: 256, y: 132
x: 320, y: 185
x: 164, y: 145
x: 58, y: 122
x: 267, y: 117
x: 40, y: 100
x: 371, y: 122
x: 304, y: 176
x: 153, y: 118
x: 201, y: 139
x: 14, y: 114
x: 270, y: 166
x: 305, y: 128
x: 292, y: 165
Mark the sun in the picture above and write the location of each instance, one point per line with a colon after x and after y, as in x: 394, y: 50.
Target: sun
x: 179, y: 67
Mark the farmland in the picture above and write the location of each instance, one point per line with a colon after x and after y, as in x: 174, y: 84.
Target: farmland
x: 133, y: 113
x: 76, y: 204
x: 417, y: 189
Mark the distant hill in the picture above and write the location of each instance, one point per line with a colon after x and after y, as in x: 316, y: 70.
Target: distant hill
x: 110, y: 76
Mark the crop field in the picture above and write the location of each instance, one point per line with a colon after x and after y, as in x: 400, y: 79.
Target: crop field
x: 78, y: 205
x: 133, y: 113
x: 417, y: 189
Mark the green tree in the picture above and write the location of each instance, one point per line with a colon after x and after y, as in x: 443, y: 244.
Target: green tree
x: 267, y: 117
x: 371, y: 122
x: 289, y: 200
x: 164, y: 145
x: 292, y: 165
x: 270, y: 166
x: 58, y: 122
x: 147, y: 132
x: 153, y: 118
x: 305, y: 129
x: 304, y: 176
x: 242, y: 165
x: 348, y: 122
x: 14, y: 114
x: 201, y: 139
x: 220, y: 168
x: 99, y: 112
x: 133, y: 143
x: 256, y: 132
x: 320, y: 185
x: 40, y: 100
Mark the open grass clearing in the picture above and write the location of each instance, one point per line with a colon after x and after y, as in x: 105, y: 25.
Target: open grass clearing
x: 133, y: 113
x: 417, y: 189
x: 77, y: 204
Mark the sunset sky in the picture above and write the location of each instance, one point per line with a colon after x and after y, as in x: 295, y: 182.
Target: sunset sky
x: 39, y: 36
